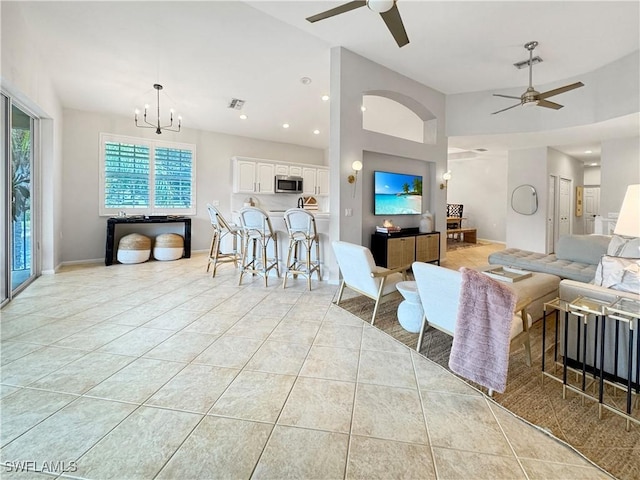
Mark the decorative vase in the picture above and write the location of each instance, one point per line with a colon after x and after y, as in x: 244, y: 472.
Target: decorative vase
x: 426, y: 223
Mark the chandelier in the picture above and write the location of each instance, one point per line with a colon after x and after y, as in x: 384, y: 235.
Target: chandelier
x: 157, y: 126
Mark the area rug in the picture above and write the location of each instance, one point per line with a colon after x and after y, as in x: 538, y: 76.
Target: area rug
x: 453, y: 244
x: 605, y: 442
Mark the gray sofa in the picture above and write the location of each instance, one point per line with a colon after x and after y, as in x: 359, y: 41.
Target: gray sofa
x: 576, y: 262
x: 576, y: 257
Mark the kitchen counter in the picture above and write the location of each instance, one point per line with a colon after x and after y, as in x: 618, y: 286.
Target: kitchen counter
x: 315, y: 213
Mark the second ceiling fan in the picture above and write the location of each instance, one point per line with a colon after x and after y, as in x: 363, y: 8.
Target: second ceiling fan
x: 386, y: 8
x: 531, y: 97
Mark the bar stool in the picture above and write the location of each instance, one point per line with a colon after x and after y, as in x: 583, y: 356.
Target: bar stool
x: 303, y: 235
x: 222, y: 228
x: 257, y: 229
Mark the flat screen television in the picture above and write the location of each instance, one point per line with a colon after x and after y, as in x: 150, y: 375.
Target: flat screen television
x: 397, y: 193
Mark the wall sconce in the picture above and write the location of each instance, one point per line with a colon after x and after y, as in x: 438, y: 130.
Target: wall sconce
x: 446, y: 176
x: 353, y: 178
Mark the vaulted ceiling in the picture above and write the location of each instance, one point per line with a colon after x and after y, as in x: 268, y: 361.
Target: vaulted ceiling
x: 105, y: 56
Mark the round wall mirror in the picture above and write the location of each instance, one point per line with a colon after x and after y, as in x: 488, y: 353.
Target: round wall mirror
x: 524, y: 200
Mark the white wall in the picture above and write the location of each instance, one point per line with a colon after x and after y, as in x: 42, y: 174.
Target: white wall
x: 592, y: 176
x: 352, y: 76
x: 389, y: 163
x: 527, y: 167
x: 480, y: 184
x: 84, y: 232
x: 620, y: 160
x: 24, y: 78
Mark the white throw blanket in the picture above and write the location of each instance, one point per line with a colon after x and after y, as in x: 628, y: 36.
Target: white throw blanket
x: 482, y: 335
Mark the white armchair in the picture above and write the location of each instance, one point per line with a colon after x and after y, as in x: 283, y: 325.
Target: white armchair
x: 360, y: 273
x: 439, y: 290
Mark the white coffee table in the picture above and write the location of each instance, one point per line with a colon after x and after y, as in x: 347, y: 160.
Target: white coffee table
x: 410, y: 310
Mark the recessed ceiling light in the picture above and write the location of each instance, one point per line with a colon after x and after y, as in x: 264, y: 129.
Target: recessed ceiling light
x: 588, y: 151
x: 316, y: 132
x: 285, y: 125
x: 243, y: 117
x: 305, y: 80
x: 325, y: 98
x: 594, y: 164
x: 363, y: 108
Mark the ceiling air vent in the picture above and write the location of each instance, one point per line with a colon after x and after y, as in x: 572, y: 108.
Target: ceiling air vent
x: 236, y: 104
x: 525, y: 63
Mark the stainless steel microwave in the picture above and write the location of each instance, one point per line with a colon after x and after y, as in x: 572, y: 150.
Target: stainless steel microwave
x: 287, y: 184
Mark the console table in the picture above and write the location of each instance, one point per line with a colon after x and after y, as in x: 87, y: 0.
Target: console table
x: 392, y: 250
x: 113, y: 221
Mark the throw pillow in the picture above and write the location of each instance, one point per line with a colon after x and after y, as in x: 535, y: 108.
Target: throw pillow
x: 627, y: 247
x: 619, y: 273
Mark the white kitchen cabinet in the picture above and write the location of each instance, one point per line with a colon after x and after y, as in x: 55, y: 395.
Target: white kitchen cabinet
x: 282, y: 169
x: 295, y: 171
x: 309, y: 180
x: 315, y: 181
x: 322, y: 182
x: 253, y: 177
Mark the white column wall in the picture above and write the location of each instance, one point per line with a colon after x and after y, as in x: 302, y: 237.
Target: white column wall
x: 351, y: 77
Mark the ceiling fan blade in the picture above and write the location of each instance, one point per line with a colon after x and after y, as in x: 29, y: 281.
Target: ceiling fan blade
x: 505, y: 96
x: 337, y: 11
x: 394, y: 23
x: 508, y: 108
x: 557, y: 91
x: 548, y: 104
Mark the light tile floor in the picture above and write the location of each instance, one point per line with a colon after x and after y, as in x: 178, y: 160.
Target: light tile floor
x: 158, y: 370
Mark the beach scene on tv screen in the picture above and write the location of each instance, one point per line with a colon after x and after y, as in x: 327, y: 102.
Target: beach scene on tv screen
x: 397, y: 194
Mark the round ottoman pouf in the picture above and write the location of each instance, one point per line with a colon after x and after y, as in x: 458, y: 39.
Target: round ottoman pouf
x: 134, y: 248
x: 168, y: 246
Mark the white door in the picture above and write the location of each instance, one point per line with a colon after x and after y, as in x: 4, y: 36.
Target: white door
x: 591, y: 208
x: 551, y: 214
x: 564, y: 208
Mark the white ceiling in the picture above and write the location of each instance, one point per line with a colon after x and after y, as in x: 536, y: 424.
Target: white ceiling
x: 105, y: 56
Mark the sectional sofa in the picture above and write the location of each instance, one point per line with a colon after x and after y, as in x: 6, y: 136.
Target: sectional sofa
x: 576, y: 257
x: 595, y: 266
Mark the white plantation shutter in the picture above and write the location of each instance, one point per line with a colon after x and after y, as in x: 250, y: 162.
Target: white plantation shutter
x: 126, y: 175
x: 144, y: 177
x: 172, y: 171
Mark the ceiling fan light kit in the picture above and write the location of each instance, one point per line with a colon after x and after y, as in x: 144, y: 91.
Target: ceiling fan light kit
x: 387, y: 9
x: 533, y: 98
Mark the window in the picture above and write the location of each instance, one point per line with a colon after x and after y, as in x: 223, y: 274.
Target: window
x: 146, y: 177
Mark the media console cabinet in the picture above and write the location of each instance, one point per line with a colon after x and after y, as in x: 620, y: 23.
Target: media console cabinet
x: 392, y: 250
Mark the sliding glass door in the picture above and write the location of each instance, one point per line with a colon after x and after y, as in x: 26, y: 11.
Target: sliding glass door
x: 18, y: 219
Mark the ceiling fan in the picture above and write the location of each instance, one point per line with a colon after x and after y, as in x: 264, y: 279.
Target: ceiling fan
x: 531, y: 97
x: 386, y: 8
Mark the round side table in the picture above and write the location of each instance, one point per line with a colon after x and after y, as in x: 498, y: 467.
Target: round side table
x: 410, y: 310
